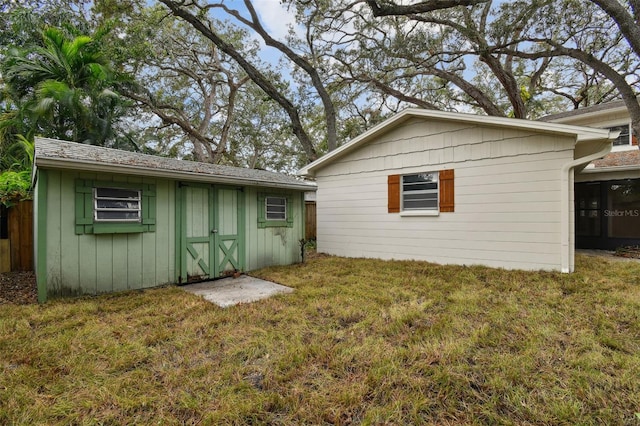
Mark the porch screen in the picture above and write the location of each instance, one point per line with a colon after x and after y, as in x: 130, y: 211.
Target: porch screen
x: 623, y: 209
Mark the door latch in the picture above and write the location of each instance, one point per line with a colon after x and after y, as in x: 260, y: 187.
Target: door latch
x: 214, y: 231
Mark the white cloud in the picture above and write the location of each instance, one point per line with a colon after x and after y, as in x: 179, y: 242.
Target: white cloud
x: 276, y: 18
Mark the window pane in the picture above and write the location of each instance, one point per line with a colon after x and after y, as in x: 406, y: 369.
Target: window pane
x: 117, y: 205
x: 420, y: 191
x: 420, y: 204
x: 116, y: 193
x: 623, y: 139
x: 275, y: 208
x: 588, y: 196
x: 420, y: 177
x: 420, y: 186
x: 118, y: 215
x: 588, y: 215
x: 588, y: 223
x: 424, y: 196
x: 276, y: 201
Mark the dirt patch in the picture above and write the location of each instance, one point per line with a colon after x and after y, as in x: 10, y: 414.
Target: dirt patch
x: 18, y: 288
x: 631, y: 252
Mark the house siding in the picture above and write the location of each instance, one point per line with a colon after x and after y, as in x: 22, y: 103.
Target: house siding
x: 507, y: 197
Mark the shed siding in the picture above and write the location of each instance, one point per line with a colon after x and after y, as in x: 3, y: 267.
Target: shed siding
x: 100, y: 263
x: 507, y: 197
x: 272, y: 245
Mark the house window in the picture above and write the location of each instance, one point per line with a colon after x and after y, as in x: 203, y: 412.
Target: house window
x: 275, y: 208
x: 117, y: 205
x: 421, y: 194
x: 420, y: 191
x: 623, y: 139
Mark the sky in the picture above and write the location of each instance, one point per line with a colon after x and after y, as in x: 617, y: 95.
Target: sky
x: 275, y: 17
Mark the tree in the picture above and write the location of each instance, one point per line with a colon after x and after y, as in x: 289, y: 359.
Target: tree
x: 444, y: 59
x: 306, y: 65
x: 628, y: 20
x: 260, y: 137
x: 63, y: 89
x: 22, y: 22
x: 603, y: 42
x: 259, y: 78
x: 184, y: 79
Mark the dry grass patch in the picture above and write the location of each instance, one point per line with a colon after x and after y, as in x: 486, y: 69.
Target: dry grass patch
x: 359, y: 341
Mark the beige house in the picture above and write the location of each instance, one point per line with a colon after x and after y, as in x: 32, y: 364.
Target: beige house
x: 455, y: 189
x: 607, y: 190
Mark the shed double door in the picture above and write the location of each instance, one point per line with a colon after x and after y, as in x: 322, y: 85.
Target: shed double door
x: 211, y: 231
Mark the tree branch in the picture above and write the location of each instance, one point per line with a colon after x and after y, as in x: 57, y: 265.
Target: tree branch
x: 390, y: 8
x: 260, y: 79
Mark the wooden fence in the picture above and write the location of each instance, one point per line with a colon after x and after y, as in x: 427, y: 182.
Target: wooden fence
x: 16, y: 252
x: 310, y: 220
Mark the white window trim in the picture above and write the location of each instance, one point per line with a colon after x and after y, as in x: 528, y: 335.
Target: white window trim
x: 416, y: 213
x: 420, y: 212
x: 96, y: 209
x: 624, y: 147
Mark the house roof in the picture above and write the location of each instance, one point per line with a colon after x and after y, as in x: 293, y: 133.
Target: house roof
x: 592, y: 110
x: 582, y: 134
x: 619, y: 159
x: 52, y: 153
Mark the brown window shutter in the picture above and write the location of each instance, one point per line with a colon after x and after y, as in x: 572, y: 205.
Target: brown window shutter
x: 393, y: 190
x: 446, y: 191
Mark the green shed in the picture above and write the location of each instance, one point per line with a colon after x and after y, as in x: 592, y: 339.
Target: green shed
x: 107, y: 220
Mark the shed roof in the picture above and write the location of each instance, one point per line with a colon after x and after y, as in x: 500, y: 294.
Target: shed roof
x: 52, y: 153
x: 582, y: 134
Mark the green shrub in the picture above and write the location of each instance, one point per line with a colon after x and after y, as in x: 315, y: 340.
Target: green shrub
x: 14, y: 186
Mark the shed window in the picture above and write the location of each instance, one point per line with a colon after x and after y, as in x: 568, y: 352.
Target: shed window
x: 420, y: 191
x: 103, y: 207
x: 117, y: 205
x: 275, y: 208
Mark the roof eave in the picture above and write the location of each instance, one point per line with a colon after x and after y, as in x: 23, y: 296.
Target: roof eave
x: 609, y: 169
x: 578, y: 114
x: 71, y: 164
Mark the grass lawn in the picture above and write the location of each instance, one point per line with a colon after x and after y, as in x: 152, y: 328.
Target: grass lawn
x: 359, y: 341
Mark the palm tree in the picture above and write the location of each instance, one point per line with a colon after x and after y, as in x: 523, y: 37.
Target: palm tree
x: 63, y: 89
